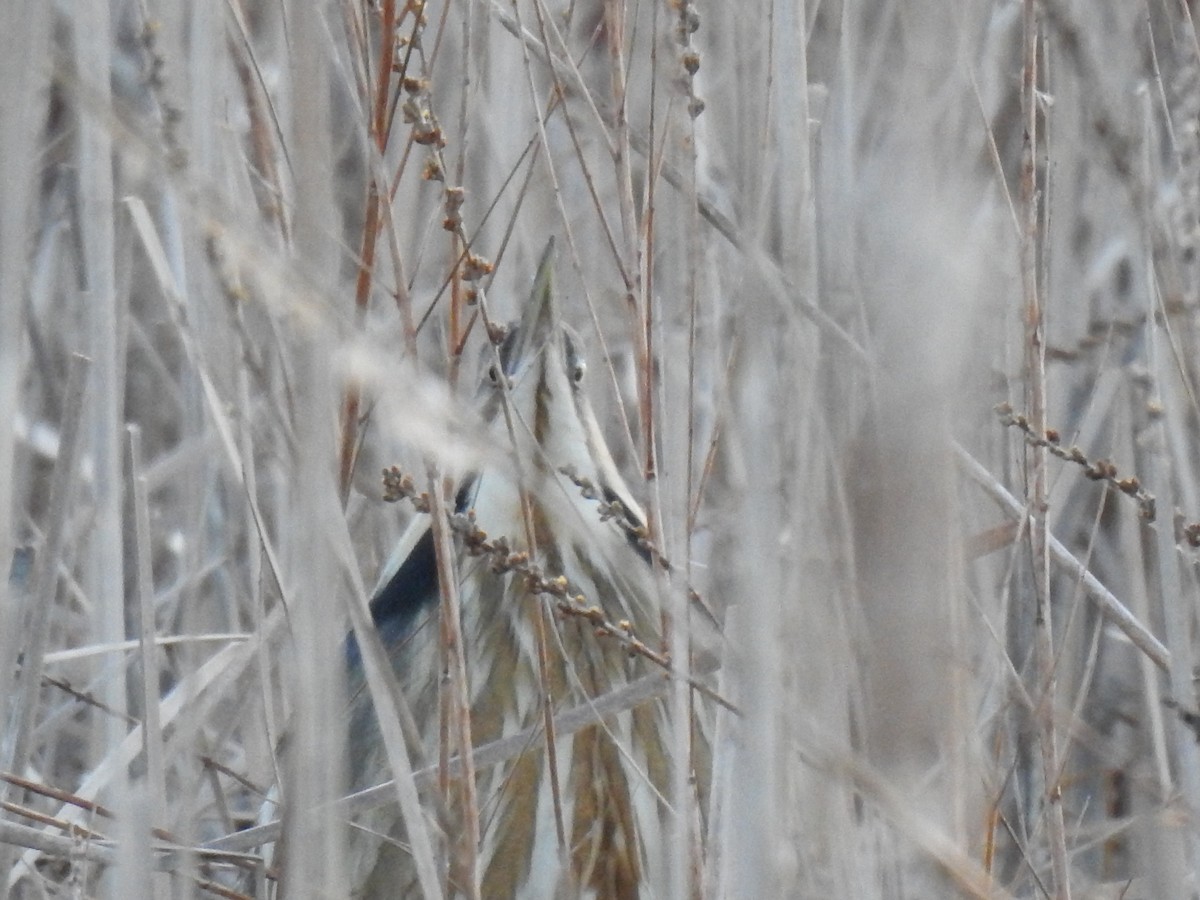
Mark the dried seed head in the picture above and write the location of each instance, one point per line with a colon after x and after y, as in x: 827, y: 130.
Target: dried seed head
x: 497, y: 332
x: 475, y: 267
x: 432, y: 170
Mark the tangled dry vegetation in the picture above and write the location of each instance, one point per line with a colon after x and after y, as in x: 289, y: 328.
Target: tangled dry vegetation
x: 892, y: 310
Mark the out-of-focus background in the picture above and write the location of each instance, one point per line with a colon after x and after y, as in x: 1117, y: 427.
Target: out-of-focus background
x: 913, y: 285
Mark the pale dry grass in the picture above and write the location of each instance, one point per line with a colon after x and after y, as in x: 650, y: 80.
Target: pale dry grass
x: 802, y: 300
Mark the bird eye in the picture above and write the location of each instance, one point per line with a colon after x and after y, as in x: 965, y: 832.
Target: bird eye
x: 493, y: 374
x: 579, y: 371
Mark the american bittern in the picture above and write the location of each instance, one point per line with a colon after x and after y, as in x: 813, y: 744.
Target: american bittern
x: 597, y: 828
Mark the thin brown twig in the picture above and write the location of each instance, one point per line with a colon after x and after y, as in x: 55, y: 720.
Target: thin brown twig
x: 1035, y: 386
x: 365, y: 278
x: 1105, y: 470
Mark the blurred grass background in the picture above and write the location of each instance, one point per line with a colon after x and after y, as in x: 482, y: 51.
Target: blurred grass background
x: 247, y: 250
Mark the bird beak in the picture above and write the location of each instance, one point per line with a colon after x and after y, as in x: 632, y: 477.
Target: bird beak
x: 541, y: 318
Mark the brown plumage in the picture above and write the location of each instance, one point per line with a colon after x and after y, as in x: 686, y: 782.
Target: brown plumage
x: 613, y: 773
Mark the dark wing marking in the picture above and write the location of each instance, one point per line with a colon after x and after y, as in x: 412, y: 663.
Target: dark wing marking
x: 397, y: 607
x: 400, y: 604
x: 409, y: 590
